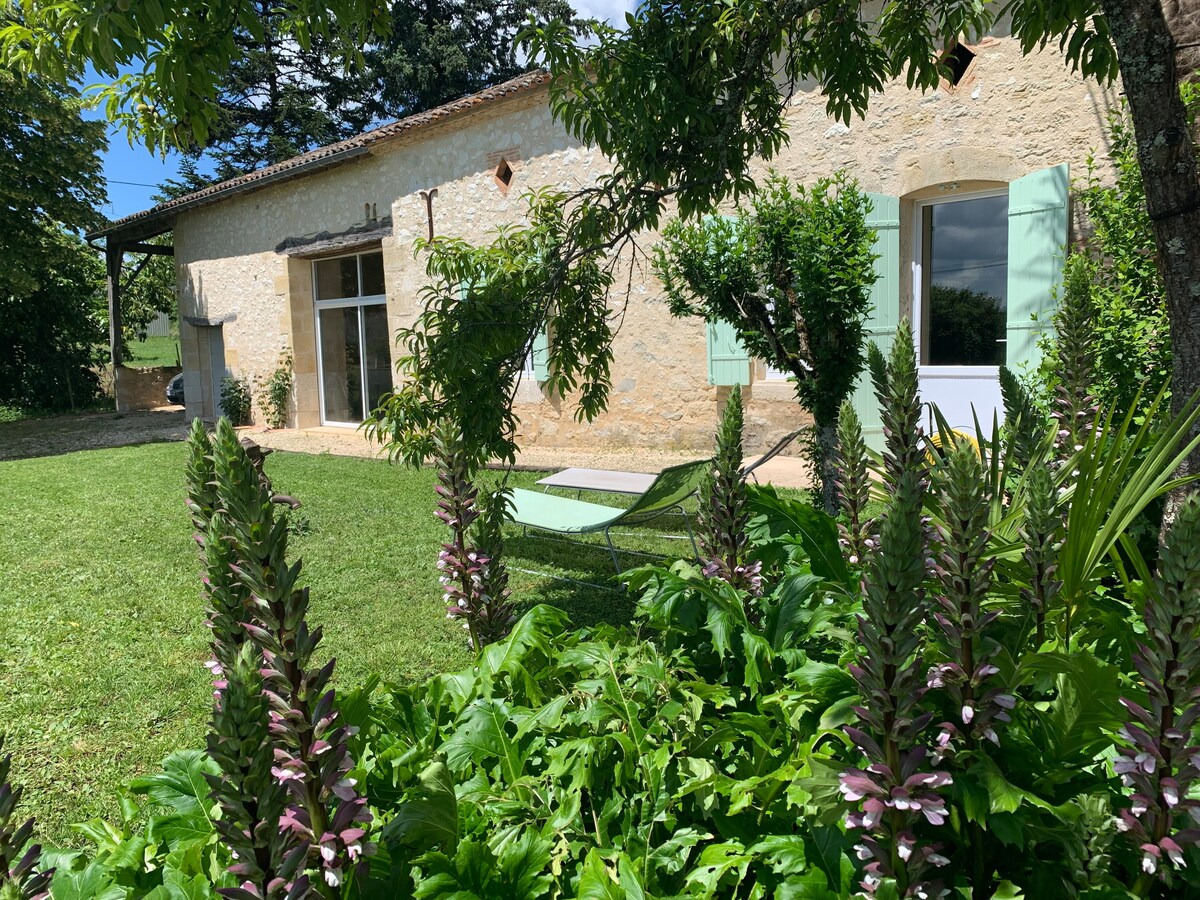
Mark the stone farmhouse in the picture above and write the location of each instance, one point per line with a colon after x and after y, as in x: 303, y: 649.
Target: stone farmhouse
x: 970, y: 185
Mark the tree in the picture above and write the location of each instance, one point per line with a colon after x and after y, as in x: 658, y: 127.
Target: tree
x: 51, y: 327
x: 50, y: 185
x: 282, y: 97
x: 438, y: 50
x: 793, y: 276
x: 50, y: 171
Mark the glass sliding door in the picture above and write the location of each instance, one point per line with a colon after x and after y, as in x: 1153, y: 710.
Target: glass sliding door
x: 354, y: 358
x: 341, y: 365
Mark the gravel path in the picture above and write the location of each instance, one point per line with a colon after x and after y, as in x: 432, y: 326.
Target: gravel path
x: 91, y: 431
x: 54, y: 435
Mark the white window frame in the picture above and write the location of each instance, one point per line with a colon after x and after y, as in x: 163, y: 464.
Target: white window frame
x: 918, y: 282
x: 770, y: 373
x: 343, y: 303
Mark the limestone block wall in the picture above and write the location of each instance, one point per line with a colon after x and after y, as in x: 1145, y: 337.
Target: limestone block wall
x: 1010, y: 115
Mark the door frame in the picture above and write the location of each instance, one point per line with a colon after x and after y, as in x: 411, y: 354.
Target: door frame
x: 991, y: 373
x: 342, y: 303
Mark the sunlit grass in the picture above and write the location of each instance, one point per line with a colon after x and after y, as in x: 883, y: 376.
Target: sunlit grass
x: 101, y: 674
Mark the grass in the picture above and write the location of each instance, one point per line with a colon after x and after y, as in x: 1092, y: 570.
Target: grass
x: 104, y: 643
x: 153, y: 351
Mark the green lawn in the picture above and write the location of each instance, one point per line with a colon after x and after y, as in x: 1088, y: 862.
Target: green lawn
x: 102, y: 671
x: 153, y: 351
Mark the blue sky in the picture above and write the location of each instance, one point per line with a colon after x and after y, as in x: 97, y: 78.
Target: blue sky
x: 134, y: 173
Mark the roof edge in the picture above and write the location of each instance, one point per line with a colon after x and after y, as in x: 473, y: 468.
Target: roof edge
x: 160, y: 218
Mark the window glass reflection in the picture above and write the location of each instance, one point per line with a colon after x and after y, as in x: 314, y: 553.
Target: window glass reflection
x: 965, y: 282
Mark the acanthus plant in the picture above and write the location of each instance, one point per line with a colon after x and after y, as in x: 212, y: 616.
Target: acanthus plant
x: 1042, y: 534
x: 962, y: 572
x: 852, y: 478
x: 1073, y: 407
x: 963, y: 575
x: 723, y: 511
x: 470, y: 563
x: 263, y: 647
x: 1161, y: 762
x: 20, y: 878
x: 899, y: 787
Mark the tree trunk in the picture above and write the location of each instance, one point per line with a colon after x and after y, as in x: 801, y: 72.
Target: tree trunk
x: 825, y: 466
x: 1167, y: 158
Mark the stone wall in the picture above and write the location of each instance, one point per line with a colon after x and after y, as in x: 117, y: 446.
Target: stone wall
x: 1011, y: 115
x: 142, y: 388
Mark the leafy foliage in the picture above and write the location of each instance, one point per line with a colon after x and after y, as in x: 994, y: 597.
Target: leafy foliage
x: 467, y: 349
x: 793, y: 276
x: 51, y: 319
x: 708, y: 753
x: 51, y: 331
x: 236, y: 399
x: 277, y: 392
x: 281, y: 97
x: 436, y: 51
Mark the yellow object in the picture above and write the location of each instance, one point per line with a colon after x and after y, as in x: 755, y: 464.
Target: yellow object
x: 939, y: 439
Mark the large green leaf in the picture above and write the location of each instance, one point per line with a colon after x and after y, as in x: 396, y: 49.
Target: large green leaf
x: 789, y: 616
x: 596, y: 882
x: 482, y: 734
x: 719, y: 865
x: 774, y: 520
x: 180, y: 785
x: 430, y: 820
x: 1086, y: 710
x: 177, y: 886
x: 93, y: 883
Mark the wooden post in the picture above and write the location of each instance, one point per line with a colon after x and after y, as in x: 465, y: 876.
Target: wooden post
x: 113, y: 255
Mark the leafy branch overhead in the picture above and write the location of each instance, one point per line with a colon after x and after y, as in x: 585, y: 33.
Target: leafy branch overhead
x: 466, y: 352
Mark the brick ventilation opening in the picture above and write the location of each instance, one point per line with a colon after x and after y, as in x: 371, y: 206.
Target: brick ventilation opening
x: 504, y: 174
x: 958, y: 60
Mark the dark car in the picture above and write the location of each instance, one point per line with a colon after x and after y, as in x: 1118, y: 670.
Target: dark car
x: 175, y: 390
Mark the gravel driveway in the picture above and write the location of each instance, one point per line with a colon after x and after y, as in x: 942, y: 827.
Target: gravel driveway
x: 90, y: 431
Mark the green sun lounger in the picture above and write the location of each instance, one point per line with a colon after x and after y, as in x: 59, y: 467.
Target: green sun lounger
x: 562, y: 515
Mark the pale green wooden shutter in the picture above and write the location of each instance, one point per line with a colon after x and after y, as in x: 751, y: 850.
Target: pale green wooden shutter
x: 541, y: 355
x: 728, y: 361
x: 884, y: 217
x: 1037, y: 238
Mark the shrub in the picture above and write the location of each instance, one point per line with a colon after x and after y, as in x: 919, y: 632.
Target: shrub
x: 235, y: 400
x: 277, y: 393
x: 793, y: 277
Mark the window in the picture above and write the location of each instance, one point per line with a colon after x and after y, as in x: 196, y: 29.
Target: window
x: 962, y: 280
x: 353, y: 342
x: 504, y: 174
x: 958, y: 60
